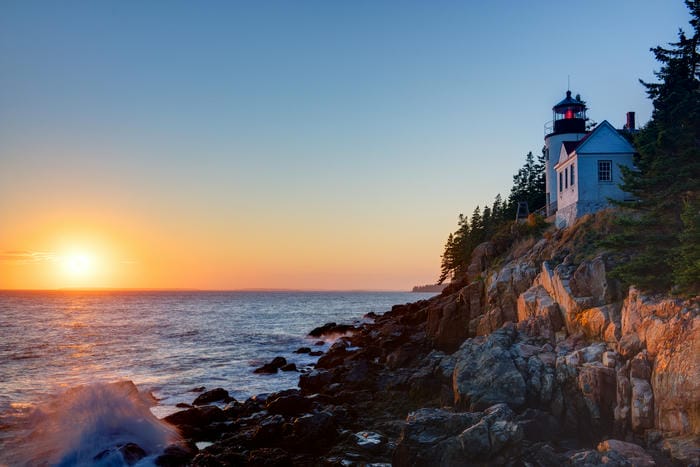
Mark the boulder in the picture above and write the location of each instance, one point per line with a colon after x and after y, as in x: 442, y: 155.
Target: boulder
x: 448, y: 324
x: 289, y: 367
x: 270, y: 457
x: 215, y: 395
x: 313, y: 432
x: 675, y: 380
x: 196, y: 422
x: 683, y: 449
x: 597, y: 384
x: 485, y: 373
x: 175, y: 456
x: 633, y: 453
x: 331, y: 329
x: 642, y: 405
x: 288, y: 404
x: 479, y: 260
x: 425, y: 431
x: 590, y: 280
x: 273, y: 366
x: 315, y: 381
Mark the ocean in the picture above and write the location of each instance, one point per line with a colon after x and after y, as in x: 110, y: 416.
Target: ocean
x: 62, y: 351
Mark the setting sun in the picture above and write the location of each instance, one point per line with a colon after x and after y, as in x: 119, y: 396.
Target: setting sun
x: 78, y: 265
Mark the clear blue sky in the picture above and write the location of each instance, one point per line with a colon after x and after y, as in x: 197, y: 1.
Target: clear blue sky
x: 387, y: 118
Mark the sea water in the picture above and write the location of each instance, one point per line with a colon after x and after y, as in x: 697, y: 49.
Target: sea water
x: 67, y: 359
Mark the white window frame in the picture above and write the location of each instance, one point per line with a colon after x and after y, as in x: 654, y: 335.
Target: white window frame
x: 605, y: 171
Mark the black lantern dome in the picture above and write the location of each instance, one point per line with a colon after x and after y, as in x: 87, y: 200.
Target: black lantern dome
x: 570, y: 115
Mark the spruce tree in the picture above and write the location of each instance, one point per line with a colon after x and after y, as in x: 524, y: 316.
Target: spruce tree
x: 447, y: 260
x: 660, y: 226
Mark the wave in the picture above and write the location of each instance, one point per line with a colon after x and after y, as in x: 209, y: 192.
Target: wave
x: 97, y: 424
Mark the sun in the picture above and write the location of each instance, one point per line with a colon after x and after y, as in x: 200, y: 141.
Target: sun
x: 77, y: 265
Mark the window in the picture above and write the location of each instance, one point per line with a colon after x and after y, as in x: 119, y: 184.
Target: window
x: 605, y: 171
x: 572, y: 175
x: 561, y: 182
x: 566, y: 177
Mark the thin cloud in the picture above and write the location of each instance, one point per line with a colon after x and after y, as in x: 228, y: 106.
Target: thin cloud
x: 27, y: 257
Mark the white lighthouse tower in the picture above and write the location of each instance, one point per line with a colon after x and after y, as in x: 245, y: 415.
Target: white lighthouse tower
x: 569, y: 124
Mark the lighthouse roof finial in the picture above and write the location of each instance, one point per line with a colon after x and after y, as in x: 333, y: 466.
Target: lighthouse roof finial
x: 569, y: 101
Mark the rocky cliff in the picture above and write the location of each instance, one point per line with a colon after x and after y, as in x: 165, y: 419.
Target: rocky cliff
x: 537, y: 357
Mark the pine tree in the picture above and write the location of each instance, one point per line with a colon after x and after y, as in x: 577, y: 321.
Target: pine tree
x: 528, y: 185
x: 476, y: 227
x: 687, y: 266
x: 497, y: 210
x: 666, y: 179
x: 447, y: 260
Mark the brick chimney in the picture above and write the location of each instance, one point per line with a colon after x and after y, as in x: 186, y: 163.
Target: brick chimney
x: 630, y: 121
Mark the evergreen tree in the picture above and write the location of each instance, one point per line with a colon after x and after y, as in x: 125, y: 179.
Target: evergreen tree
x: 447, y: 260
x: 661, y: 224
x: 687, y: 266
x: 528, y: 185
x: 497, y: 210
x: 476, y: 227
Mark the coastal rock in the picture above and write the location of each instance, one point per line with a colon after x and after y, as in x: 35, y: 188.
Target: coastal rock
x: 196, y: 422
x: 485, y: 373
x: 504, y: 287
x: 215, y: 395
x: 288, y: 403
x: 480, y: 257
x: 683, y: 449
x: 270, y: 457
x: 175, y: 455
x: 448, y: 323
x: 538, y: 313
x: 313, y: 432
x: 598, y: 386
x: 303, y: 350
x: 273, y: 366
x: 591, y: 458
x: 590, y: 280
x: 422, y: 441
x: 437, y: 437
x: 632, y: 453
x: 331, y: 329
x: 132, y: 453
x: 289, y: 367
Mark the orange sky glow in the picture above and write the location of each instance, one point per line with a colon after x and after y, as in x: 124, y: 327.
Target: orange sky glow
x: 306, y: 145
x: 110, y: 252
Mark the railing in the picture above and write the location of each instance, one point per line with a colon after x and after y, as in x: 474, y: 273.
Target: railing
x: 549, y: 127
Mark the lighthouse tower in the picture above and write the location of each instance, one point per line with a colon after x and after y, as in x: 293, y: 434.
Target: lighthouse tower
x: 569, y: 125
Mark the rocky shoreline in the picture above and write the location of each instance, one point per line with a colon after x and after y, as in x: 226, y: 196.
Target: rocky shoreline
x: 537, y: 360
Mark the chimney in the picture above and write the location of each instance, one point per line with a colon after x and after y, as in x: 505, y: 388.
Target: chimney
x: 630, y: 121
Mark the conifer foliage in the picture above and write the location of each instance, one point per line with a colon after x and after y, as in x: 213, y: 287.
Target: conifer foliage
x: 494, y: 222
x: 660, y: 229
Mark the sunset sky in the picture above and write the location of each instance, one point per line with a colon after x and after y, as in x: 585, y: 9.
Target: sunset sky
x: 302, y: 144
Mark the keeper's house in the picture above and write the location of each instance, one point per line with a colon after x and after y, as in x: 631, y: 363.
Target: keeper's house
x: 583, y: 167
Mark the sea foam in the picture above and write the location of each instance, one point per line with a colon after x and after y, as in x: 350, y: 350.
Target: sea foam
x: 90, y: 425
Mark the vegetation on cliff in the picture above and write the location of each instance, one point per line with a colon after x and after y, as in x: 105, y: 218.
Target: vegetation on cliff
x: 661, y: 228
x: 496, y: 222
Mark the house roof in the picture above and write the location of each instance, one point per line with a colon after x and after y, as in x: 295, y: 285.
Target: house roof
x: 574, y: 148
x: 570, y: 146
x: 623, y: 145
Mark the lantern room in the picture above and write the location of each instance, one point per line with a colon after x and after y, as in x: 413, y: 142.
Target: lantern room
x: 570, y: 115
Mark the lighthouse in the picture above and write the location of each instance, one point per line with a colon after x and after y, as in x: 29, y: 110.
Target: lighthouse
x: 568, y: 125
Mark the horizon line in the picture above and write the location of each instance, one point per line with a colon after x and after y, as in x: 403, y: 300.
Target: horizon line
x: 187, y: 289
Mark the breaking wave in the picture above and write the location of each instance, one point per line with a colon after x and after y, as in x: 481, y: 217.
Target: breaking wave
x: 108, y: 424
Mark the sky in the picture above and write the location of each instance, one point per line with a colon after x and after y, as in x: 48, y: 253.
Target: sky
x: 305, y: 145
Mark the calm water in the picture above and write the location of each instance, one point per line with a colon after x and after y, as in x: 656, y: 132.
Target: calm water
x: 165, y: 342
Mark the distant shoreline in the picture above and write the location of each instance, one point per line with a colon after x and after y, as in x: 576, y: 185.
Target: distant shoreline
x: 267, y: 290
